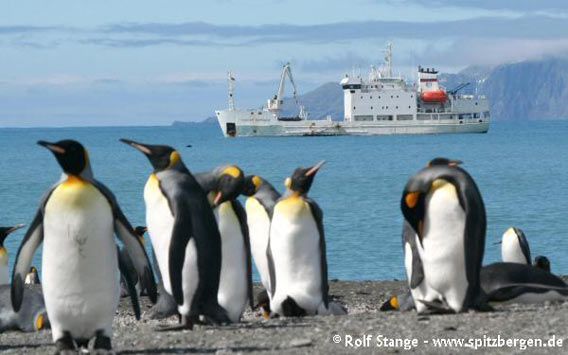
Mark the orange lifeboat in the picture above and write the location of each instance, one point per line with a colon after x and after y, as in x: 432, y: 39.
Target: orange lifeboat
x: 434, y: 96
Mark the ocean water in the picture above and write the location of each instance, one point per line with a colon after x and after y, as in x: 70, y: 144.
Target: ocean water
x: 521, y: 170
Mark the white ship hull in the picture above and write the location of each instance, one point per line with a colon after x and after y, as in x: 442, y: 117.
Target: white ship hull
x: 238, y: 123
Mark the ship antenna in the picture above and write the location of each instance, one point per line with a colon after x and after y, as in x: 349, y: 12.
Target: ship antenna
x: 231, y: 84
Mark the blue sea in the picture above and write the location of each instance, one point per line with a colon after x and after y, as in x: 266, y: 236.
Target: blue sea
x: 521, y: 170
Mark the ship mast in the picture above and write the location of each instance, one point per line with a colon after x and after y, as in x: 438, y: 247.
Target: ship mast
x: 388, y: 60
x: 275, y: 103
x: 231, y: 84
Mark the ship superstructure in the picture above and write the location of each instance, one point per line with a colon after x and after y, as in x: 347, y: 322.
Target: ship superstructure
x: 380, y: 104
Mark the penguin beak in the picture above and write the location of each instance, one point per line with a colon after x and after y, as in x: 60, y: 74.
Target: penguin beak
x: 141, y: 147
x: 217, y: 199
x: 454, y: 163
x: 52, y: 146
x: 315, y: 168
x: 15, y: 228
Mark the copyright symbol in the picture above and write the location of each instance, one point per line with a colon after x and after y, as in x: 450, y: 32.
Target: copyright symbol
x: 336, y: 338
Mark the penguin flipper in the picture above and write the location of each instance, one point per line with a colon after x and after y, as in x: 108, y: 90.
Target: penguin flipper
x: 30, y: 243
x: 178, y: 244
x: 417, y: 272
x: 271, y: 271
x: 133, y: 245
x: 124, y: 270
x: 242, y: 216
x: 318, y: 216
x: 524, y: 245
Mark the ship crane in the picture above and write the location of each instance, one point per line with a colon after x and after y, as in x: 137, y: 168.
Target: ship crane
x: 276, y: 103
x: 458, y: 88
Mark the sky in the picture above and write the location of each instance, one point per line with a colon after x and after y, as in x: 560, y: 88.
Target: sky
x: 142, y: 62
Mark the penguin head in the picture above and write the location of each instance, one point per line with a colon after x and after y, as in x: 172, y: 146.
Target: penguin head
x: 418, y: 187
x: 440, y: 161
x: 162, y: 157
x: 302, y: 178
x: 230, y: 184
x: 5, y: 232
x: 391, y: 304
x: 542, y: 262
x: 252, y: 184
x: 71, y: 155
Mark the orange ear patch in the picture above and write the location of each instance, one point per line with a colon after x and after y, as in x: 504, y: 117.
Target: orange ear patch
x: 411, y: 199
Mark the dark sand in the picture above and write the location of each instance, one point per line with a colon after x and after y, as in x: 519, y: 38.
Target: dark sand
x: 315, y: 334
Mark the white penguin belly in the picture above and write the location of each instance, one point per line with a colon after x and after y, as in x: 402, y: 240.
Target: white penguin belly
x: 233, y: 283
x: 511, y: 251
x: 443, y: 253
x: 160, y: 224
x: 294, y: 243
x: 79, y: 262
x: 259, y: 229
x: 4, y: 273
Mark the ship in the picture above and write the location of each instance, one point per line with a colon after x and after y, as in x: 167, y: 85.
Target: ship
x: 381, y: 104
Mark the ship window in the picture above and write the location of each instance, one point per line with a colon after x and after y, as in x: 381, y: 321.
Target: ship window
x: 384, y: 118
x: 361, y: 96
x: 476, y: 115
x: 392, y: 97
x: 408, y: 106
x: 397, y: 96
x: 363, y: 117
x: 397, y: 107
x: 387, y: 107
x: 370, y: 97
x: 486, y: 114
x: 371, y: 107
x: 411, y: 96
x: 476, y: 104
x: 260, y: 113
x: 423, y: 117
x: 354, y: 107
x: 252, y: 113
x: 352, y: 91
x: 379, y: 97
x: 404, y: 117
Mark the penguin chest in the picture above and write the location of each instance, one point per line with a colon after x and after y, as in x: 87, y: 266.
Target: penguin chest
x: 160, y: 222
x: 233, y: 283
x: 442, y: 251
x: 511, y: 251
x: 259, y: 228
x: 294, y: 243
x: 80, y: 267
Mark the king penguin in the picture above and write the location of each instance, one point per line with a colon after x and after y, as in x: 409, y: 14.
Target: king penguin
x: 4, y: 272
x: 184, y: 235
x: 223, y: 185
x: 444, y: 217
x: 129, y: 268
x: 515, y: 247
x: 76, y: 222
x: 259, y: 206
x: 296, y: 252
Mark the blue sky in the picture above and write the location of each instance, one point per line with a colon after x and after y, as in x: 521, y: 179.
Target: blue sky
x: 76, y: 63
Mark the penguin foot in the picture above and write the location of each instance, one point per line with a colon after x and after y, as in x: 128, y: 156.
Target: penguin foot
x: 65, y: 344
x: 102, y: 342
x: 185, y: 324
x: 436, y: 307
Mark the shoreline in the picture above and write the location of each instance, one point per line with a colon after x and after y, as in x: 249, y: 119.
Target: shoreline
x: 316, y: 334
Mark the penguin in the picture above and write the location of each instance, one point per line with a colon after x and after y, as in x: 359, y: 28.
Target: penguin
x: 76, y: 223
x: 297, y: 254
x: 521, y: 283
x: 515, y: 247
x: 32, y: 278
x: 129, y: 265
x: 503, y: 282
x: 542, y: 262
x: 444, y: 220
x: 4, y: 268
x: 31, y: 318
x: 184, y: 234
x: 223, y: 185
x: 259, y: 207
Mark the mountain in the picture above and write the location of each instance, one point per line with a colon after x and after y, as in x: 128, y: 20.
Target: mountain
x: 531, y: 90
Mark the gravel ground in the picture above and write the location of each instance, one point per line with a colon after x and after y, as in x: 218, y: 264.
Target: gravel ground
x: 320, y: 334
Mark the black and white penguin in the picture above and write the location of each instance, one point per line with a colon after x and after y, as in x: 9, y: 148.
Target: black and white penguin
x: 259, y: 206
x: 445, y: 219
x: 32, y: 278
x: 32, y: 317
x: 515, y: 247
x: 223, y: 185
x: 76, y: 223
x: 4, y: 269
x: 297, y: 254
x: 184, y: 235
x: 129, y: 266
